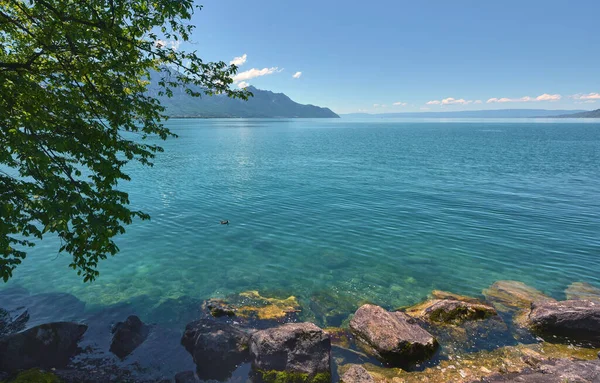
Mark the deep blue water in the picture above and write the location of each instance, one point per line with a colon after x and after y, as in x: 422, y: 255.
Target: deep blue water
x: 374, y: 210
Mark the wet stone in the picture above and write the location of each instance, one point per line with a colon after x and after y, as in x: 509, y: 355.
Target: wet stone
x: 513, y: 295
x: 583, y: 291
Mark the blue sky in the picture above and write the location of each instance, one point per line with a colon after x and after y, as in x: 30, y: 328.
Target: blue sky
x: 405, y: 56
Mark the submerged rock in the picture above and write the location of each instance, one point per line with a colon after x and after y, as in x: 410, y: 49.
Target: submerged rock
x: 217, y: 348
x: 331, y: 308
x: 583, y: 291
x: 292, y: 352
x: 439, y: 294
x: 9, y: 325
x: 356, y: 374
x: 44, y: 346
x: 250, y: 305
x: 127, y: 336
x: 393, y: 337
x: 574, y: 319
x: 450, y: 311
x: 513, y: 295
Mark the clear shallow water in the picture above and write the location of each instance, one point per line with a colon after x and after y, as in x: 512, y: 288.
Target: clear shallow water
x: 375, y: 210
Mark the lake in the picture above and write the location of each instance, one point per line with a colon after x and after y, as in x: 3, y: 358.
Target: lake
x: 379, y: 210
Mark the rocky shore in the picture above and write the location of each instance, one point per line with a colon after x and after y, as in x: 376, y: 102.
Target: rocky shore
x: 514, y: 333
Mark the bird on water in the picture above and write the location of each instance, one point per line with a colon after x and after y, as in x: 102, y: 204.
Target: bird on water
x: 225, y: 222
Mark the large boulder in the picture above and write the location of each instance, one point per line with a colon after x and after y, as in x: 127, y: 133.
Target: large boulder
x: 217, y: 348
x: 574, y: 319
x: 513, y: 295
x: 300, y: 351
x: 450, y: 311
x: 583, y: 291
x: 357, y: 374
x: 393, y: 337
x: 127, y: 336
x: 45, y: 346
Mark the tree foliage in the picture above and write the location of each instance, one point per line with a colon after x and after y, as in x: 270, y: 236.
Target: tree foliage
x: 74, y: 111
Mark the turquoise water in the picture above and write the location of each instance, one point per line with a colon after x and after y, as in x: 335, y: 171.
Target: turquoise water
x: 373, y: 210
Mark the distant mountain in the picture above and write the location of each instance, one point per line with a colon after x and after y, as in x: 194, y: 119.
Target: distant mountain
x: 264, y: 104
x: 499, y: 113
x: 588, y: 114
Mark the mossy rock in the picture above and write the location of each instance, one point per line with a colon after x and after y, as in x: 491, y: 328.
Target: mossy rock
x: 339, y: 336
x: 35, y: 376
x: 293, y: 377
x: 252, y: 305
x: 583, y: 291
x: 449, y: 311
x: 470, y: 367
x: 510, y: 296
x: 440, y: 294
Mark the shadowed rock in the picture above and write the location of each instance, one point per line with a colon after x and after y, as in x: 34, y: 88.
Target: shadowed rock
x: 450, y: 311
x: 45, y: 346
x: 574, y: 319
x: 393, y: 337
x: 356, y: 374
x: 127, y: 336
x: 217, y: 348
x: 295, y: 350
x: 583, y: 291
x: 513, y: 295
x: 186, y: 377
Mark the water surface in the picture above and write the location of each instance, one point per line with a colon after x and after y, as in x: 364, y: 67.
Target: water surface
x: 373, y: 210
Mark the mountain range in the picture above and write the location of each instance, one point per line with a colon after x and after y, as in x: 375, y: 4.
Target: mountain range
x: 589, y: 114
x: 499, y: 113
x: 264, y: 104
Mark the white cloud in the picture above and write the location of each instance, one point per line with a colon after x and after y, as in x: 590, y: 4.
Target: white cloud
x: 478, y: 102
x: 449, y: 101
x: 589, y: 96
x: 543, y: 97
x: 297, y: 75
x: 239, y: 61
x: 548, y: 97
x: 243, y: 84
x: 452, y: 101
x: 253, y: 73
x: 400, y: 103
x: 375, y: 105
x: 173, y: 44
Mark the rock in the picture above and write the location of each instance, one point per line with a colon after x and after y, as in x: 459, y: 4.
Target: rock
x: 35, y: 376
x: 218, y: 308
x: 44, y: 346
x: 578, y: 320
x: 299, y: 351
x: 439, y: 294
x: 186, y: 377
x: 450, y: 311
x: 512, y: 295
x: 583, y: 291
x: 331, y: 307
x: 251, y: 306
x: 9, y: 325
x: 555, y: 371
x: 217, y: 348
x: 393, y: 337
x: 356, y: 374
x: 127, y: 336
